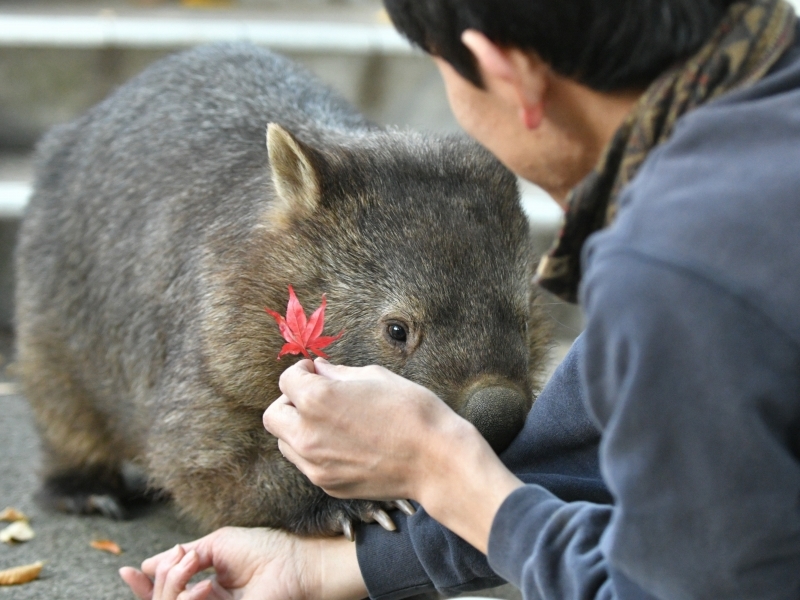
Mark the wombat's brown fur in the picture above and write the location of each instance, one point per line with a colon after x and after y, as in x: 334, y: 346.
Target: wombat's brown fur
x: 159, y: 230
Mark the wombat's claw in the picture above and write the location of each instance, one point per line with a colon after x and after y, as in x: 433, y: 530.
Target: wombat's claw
x: 404, y: 506
x: 106, y: 506
x: 382, y: 518
x: 347, y: 528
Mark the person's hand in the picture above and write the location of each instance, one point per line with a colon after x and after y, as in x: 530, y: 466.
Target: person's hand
x: 369, y: 433
x: 250, y: 564
x: 359, y: 432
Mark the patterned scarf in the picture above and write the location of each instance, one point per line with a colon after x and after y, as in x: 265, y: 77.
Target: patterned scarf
x: 751, y: 38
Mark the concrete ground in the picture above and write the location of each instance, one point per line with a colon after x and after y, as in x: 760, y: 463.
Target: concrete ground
x: 73, y: 570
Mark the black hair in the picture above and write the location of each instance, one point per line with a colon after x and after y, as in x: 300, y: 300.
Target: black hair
x: 604, y: 44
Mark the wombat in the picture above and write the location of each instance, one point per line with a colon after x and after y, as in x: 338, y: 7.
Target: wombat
x: 160, y: 228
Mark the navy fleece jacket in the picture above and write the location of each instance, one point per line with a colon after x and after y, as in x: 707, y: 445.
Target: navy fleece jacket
x: 690, y: 367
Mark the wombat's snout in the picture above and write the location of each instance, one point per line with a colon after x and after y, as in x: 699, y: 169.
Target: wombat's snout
x: 498, y: 413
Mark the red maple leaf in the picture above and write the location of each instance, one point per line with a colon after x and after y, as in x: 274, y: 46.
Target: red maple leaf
x: 302, y: 334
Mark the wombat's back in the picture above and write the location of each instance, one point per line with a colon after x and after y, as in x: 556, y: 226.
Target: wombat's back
x: 195, y: 123
x: 112, y: 239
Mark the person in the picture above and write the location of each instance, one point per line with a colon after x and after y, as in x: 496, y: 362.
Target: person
x: 670, y: 131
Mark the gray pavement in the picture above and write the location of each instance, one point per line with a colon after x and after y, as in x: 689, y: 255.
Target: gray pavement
x: 73, y: 570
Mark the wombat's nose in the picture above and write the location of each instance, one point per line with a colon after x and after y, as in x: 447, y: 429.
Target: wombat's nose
x: 498, y: 413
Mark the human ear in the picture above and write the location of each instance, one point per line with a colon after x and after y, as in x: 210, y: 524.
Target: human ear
x: 513, y: 73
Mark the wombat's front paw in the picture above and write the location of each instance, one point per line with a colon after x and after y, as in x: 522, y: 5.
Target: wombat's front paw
x: 84, y: 504
x: 369, y: 512
x: 404, y: 506
x: 96, y: 490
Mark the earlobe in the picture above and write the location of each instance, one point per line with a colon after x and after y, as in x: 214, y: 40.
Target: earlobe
x: 531, y: 116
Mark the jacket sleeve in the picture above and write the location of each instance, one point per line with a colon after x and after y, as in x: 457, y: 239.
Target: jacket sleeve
x: 697, y: 393
x: 558, y: 448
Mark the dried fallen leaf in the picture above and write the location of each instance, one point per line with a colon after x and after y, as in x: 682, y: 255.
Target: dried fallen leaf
x: 302, y: 334
x: 106, y: 546
x: 22, y: 574
x: 18, y: 531
x: 12, y: 514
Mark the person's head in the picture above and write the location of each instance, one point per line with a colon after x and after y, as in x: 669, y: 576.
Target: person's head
x: 544, y: 84
x: 607, y: 45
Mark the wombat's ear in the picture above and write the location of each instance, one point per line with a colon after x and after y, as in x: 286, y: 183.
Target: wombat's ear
x: 293, y: 173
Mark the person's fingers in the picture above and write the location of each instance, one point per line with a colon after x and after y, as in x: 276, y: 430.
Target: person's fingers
x: 202, y: 546
x: 324, y: 477
x: 281, y: 418
x: 345, y: 373
x: 305, y: 365
x: 209, y: 589
x: 140, y: 584
x: 179, y: 575
x: 201, y: 591
x: 297, y: 375
x: 290, y: 455
x: 150, y: 565
x: 220, y: 593
x: 172, y: 558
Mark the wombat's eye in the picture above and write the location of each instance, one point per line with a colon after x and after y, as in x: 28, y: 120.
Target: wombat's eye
x: 397, y: 332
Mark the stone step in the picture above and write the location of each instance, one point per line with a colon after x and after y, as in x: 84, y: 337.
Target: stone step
x: 300, y: 25
x: 156, y: 32
x: 93, y: 23
x: 59, y: 58
x: 543, y: 213
x: 13, y: 198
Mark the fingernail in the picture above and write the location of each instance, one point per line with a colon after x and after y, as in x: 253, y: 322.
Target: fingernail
x: 175, y: 553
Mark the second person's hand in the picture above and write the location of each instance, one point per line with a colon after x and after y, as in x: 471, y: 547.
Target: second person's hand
x: 251, y: 564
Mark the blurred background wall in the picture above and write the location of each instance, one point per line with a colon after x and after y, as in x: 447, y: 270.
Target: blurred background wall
x: 59, y: 57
